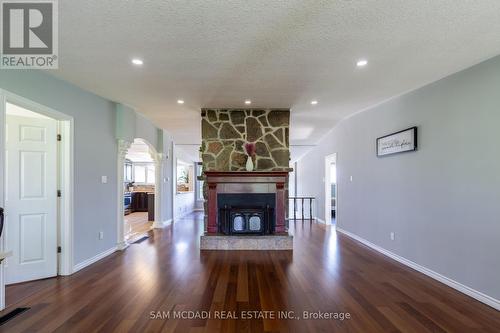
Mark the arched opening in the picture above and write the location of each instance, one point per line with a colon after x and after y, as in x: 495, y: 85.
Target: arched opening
x: 139, y: 166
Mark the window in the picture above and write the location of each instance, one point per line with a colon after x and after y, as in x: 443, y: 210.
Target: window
x: 185, y: 177
x: 140, y: 173
x: 144, y: 173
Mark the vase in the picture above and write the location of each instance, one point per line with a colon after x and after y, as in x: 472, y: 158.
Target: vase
x: 249, y: 164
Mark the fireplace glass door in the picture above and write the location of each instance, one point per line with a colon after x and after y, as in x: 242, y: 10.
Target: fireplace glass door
x: 239, y: 223
x: 254, y: 223
x: 247, y: 221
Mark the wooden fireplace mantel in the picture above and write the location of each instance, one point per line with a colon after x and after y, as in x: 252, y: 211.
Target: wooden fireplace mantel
x: 246, y: 182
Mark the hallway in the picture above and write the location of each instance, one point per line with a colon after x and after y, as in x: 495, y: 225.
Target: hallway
x: 325, y: 272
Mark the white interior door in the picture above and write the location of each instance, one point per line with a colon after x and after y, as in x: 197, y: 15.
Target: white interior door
x: 31, y: 198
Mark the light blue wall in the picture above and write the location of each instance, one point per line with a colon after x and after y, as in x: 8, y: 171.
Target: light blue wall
x: 125, y: 123
x: 441, y: 201
x: 131, y: 125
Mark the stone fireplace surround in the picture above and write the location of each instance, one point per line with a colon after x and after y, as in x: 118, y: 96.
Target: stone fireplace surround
x: 241, y: 182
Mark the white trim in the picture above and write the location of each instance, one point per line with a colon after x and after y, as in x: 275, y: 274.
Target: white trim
x: 66, y: 180
x: 66, y: 185
x: 158, y: 160
x: 329, y: 159
x: 160, y: 224
x: 180, y: 216
x: 319, y: 220
x: 157, y: 225
x: 94, y: 259
x: 481, y: 297
x: 173, y: 173
x: 2, y: 193
x: 121, y: 243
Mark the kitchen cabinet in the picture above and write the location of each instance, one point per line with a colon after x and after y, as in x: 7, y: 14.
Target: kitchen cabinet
x: 151, y: 206
x: 140, y: 201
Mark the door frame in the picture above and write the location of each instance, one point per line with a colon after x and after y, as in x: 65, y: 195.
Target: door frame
x: 328, y: 190
x: 158, y: 160
x: 65, y: 179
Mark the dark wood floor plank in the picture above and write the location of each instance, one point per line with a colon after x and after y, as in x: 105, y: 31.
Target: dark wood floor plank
x: 325, y: 272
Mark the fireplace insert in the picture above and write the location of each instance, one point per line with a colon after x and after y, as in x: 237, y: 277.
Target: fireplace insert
x: 246, y: 213
x: 246, y: 221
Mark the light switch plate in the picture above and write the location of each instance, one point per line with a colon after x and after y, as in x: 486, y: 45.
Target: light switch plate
x: 104, y: 179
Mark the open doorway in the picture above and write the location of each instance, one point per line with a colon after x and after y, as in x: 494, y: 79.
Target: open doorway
x: 139, y: 190
x: 331, y: 190
x: 37, y: 190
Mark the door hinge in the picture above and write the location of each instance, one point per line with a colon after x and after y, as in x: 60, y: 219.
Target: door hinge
x: 59, y: 249
x: 59, y: 194
x: 59, y: 137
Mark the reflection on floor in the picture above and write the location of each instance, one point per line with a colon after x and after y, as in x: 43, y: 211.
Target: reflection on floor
x: 136, y: 225
x: 18, y: 291
x: 327, y: 274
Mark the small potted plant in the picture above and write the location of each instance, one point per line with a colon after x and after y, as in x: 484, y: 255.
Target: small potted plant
x: 250, y: 150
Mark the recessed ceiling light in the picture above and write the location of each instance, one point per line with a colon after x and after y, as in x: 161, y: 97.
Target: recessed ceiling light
x: 180, y: 101
x: 137, y: 61
x: 314, y: 102
x: 248, y: 102
x: 362, y: 63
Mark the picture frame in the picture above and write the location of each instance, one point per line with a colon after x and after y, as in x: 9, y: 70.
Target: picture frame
x: 398, y: 142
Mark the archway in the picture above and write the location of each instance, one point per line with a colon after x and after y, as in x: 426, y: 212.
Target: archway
x: 157, y: 160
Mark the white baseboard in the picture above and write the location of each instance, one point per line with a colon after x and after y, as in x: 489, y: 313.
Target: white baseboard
x: 94, y: 259
x: 160, y: 224
x: 488, y: 300
x: 320, y: 220
x: 122, y: 245
x: 183, y: 214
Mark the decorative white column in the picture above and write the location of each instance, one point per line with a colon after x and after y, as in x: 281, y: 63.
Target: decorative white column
x: 159, y: 160
x: 123, y: 147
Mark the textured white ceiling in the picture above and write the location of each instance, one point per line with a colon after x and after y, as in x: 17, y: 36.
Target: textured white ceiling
x: 277, y: 53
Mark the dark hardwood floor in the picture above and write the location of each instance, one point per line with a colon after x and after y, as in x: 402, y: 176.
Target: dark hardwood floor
x: 326, y: 272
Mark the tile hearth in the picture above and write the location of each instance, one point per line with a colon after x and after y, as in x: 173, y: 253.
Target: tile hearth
x: 222, y: 242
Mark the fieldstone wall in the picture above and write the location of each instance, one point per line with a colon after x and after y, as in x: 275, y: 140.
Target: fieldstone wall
x: 224, y: 133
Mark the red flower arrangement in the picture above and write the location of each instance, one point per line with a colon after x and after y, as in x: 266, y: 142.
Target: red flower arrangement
x: 250, y: 149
